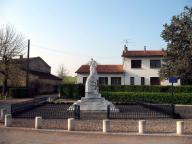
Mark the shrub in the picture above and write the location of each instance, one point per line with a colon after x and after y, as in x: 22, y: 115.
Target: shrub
x: 154, y: 97
x: 145, y: 88
x: 127, y: 93
x: 72, y: 91
x: 20, y: 92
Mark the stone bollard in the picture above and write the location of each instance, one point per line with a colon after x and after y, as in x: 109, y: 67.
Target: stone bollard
x: 59, y: 94
x: 71, y: 124
x: 106, y: 126
x: 142, y: 126
x: 38, y: 122
x: 3, y: 112
x: 8, y: 120
x: 180, y: 127
x: 49, y: 99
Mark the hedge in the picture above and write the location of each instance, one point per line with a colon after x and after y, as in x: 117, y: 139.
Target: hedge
x: 145, y: 88
x: 127, y: 88
x: 131, y: 97
x: 155, y: 94
x: 72, y: 91
x: 20, y: 92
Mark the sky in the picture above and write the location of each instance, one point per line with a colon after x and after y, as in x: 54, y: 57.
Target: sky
x: 71, y: 32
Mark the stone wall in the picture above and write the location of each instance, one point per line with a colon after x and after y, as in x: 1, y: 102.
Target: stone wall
x: 54, y: 124
x: 88, y: 125
x: 185, y: 111
x: 124, y: 125
x: 29, y: 123
x: 152, y: 126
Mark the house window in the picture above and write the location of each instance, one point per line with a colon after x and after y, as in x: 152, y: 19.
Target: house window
x: 132, y: 81
x: 142, y: 80
x: 115, y: 80
x: 155, y: 63
x: 135, y: 63
x: 84, y: 80
x: 154, y: 80
x: 103, y: 80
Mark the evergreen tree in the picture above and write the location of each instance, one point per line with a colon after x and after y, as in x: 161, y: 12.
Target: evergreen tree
x: 178, y: 59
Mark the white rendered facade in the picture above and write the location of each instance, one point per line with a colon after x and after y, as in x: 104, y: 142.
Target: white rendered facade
x: 145, y: 71
x: 109, y: 76
x: 145, y: 74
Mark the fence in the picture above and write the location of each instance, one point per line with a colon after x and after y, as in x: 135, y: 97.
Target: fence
x: 40, y: 107
x: 76, y: 113
x: 47, y: 111
x: 167, y: 109
x: 27, y: 105
x: 130, y: 111
x: 141, y: 111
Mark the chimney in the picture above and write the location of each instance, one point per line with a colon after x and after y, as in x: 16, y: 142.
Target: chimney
x: 145, y: 49
x: 21, y: 56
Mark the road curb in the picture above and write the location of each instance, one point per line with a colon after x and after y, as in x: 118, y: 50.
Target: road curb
x: 97, y: 133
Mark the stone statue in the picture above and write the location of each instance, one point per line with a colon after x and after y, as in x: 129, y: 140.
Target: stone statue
x: 91, y: 83
x: 93, y: 100
x: 91, y: 88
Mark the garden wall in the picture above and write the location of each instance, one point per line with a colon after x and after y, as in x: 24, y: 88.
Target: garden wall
x: 152, y: 126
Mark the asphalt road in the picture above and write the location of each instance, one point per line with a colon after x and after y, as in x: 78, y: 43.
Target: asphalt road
x: 28, y: 136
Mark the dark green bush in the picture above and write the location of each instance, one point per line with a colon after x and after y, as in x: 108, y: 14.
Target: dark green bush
x: 153, y: 97
x: 20, y: 92
x: 72, y: 91
x: 145, y: 88
x: 66, y: 88
x: 155, y: 94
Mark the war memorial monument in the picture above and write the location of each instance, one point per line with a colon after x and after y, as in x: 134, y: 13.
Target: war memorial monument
x: 93, y: 101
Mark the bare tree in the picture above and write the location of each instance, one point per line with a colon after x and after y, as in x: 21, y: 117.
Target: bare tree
x: 11, y: 45
x: 62, y: 72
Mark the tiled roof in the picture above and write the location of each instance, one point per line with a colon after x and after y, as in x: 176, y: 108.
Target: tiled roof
x: 102, y: 69
x: 23, y: 61
x: 42, y: 75
x: 144, y: 53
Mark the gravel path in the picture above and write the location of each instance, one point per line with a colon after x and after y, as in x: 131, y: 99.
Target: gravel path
x: 28, y: 136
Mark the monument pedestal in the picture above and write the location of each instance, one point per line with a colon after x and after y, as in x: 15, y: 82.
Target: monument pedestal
x: 93, y: 100
x: 94, y: 104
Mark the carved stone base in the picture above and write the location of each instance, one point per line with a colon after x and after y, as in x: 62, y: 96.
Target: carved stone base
x: 94, y: 104
x: 92, y: 95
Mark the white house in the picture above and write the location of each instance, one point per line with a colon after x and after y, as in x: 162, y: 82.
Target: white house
x: 138, y: 68
x: 108, y: 74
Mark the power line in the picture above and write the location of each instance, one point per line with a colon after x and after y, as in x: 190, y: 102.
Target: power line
x: 50, y: 49
x: 68, y: 53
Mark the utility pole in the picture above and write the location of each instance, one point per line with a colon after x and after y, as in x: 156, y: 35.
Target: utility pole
x: 27, y: 75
